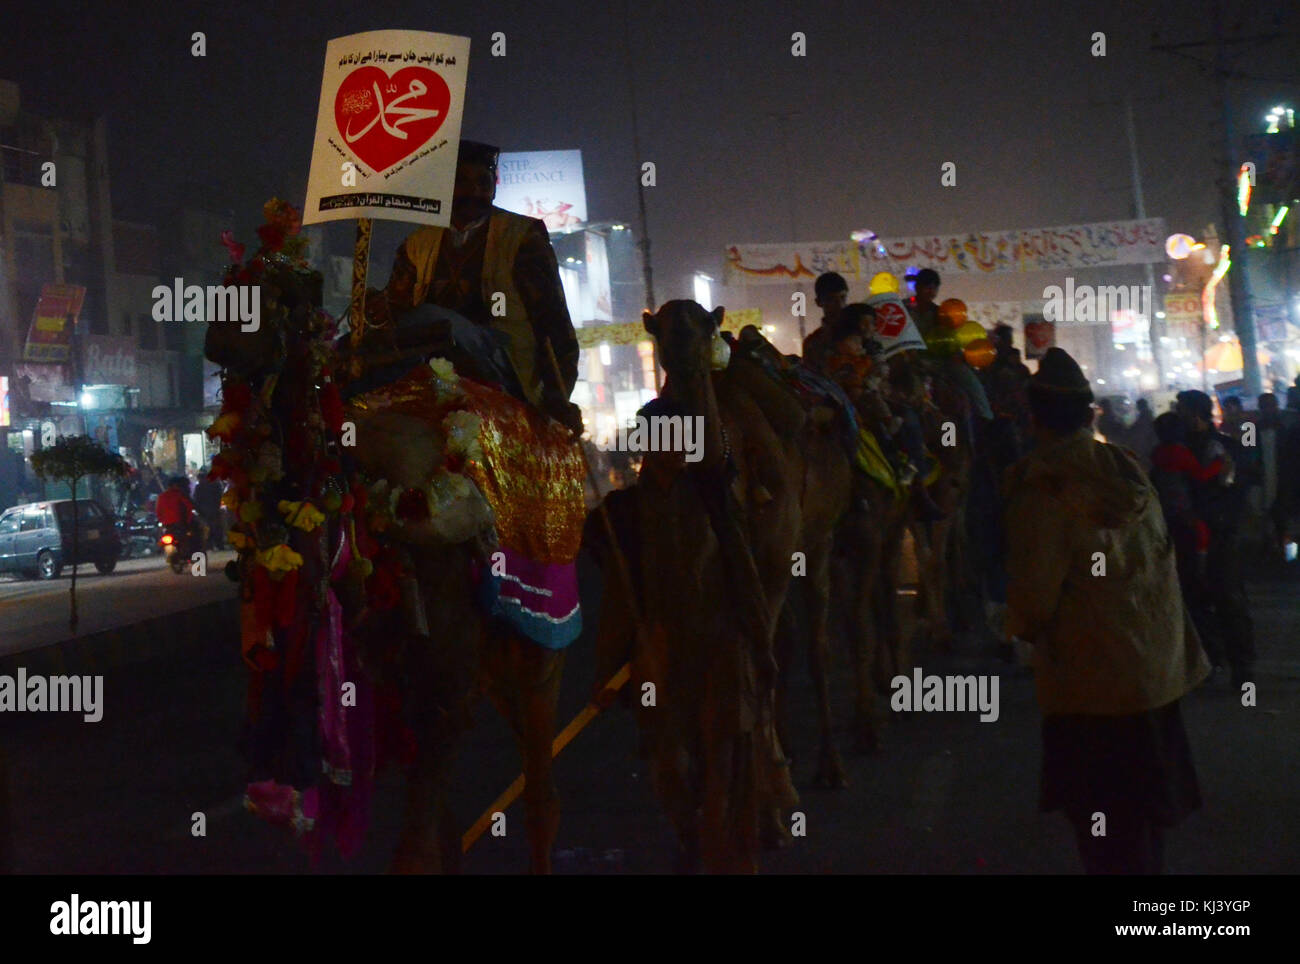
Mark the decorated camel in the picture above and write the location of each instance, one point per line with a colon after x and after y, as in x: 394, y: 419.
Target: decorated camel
x: 404, y: 548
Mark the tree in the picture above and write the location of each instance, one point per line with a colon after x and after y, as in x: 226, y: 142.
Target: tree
x: 71, y: 459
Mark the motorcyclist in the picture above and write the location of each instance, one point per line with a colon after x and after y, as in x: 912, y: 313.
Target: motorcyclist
x: 174, y: 507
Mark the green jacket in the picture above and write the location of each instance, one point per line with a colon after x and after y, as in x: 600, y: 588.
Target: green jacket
x: 1093, y: 584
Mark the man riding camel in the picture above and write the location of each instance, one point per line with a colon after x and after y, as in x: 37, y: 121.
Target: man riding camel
x: 925, y: 313
x: 485, y: 293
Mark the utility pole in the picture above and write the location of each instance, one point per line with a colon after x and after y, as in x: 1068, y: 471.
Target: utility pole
x: 647, y: 273
x: 1155, y: 328
x: 1228, y: 168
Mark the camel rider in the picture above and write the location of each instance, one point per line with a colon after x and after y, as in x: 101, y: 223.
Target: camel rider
x: 486, y: 293
x: 831, y: 293
x: 925, y: 313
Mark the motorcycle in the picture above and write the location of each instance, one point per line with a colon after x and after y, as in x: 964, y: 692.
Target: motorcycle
x: 138, y: 533
x: 179, y: 542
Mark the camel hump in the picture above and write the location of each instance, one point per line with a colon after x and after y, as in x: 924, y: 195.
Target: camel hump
x: 778, y: 402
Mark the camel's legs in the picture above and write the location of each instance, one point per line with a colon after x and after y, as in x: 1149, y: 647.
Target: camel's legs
x: 830, y: 769
x: 525, y: 687
x: 430, y: 841
x: 865, y: 637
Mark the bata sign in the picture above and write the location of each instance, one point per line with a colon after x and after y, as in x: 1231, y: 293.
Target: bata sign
x: 108, y: 361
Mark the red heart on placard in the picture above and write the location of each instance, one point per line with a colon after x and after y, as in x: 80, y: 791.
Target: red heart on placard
x: 385, y: 120
x: 890, y: 319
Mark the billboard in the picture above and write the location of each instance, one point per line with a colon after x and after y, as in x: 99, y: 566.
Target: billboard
x: 388, y: 127
x: 546, y: 185
x: 108, y: 360
x: 50, y: 337
x: 598, y: 303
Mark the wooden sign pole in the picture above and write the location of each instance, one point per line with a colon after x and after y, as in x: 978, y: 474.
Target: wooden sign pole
x: 360, y: 269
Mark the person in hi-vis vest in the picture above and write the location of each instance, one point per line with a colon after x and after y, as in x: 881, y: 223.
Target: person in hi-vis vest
x: 489, y: 287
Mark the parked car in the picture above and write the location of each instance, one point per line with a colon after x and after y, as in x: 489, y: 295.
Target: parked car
x: 36, y: 539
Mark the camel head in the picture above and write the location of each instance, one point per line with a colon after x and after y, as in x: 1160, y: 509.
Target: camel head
x: 686, y: 334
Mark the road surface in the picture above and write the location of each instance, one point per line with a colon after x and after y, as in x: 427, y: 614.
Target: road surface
x: 34, y: 613
x: 947, y: 793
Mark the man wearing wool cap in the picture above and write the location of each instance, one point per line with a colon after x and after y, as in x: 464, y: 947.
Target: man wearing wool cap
x: 1093, y: 587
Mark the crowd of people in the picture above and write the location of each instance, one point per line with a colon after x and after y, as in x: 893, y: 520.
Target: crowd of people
x: 1114, y: 551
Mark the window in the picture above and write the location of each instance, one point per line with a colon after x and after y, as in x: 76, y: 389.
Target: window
x: 9, y: 523
x: 33, y: 519
x: 87, y: 511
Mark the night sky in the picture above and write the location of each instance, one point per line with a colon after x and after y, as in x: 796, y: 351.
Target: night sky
x: 887, y: 93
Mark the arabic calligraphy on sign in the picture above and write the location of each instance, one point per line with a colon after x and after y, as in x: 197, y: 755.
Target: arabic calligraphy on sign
x: 391, y: 102
x: 1037, y: 249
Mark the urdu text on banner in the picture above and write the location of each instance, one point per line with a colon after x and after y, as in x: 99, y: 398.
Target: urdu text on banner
x: 388, y: 127
x: 1096, y: 245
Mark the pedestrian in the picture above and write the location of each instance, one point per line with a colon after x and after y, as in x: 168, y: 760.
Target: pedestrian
x: 1110, y: 425
x: 1274, y: 461
x: 1142, y: 434
x: 1093, y: 587
x: 1174, y: 472
x: 207, y: 502
x: 1221, y: 503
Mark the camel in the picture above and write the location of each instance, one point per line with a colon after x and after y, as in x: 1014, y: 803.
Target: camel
x: 867, y: 554
x: 712, y: 547
x: 937, y: 542
x: 451, y: 653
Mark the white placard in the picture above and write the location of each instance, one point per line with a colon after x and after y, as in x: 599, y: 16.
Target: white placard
x: 895, y: 329
x: 388, y: 127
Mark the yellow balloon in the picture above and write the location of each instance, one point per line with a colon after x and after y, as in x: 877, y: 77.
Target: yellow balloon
x: 883, y: 283
x: 969, y: 332
x: 953, y: 312
x: 980, y: 353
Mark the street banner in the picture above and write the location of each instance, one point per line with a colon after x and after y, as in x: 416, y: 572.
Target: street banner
x: 769, y: 264
x: 895, y: 329
x: 41, y: 382
x: 988, y: 252
x: 388, y: 127
x: 546, y: 185
x: 1035, y: 249
x: 50, y: 337
x: 1040, y: 335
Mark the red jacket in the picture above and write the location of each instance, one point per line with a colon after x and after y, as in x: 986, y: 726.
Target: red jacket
x: 174, y: 508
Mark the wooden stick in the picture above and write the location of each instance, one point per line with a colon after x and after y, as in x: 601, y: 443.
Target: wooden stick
x: 360, y: 269
x: 562, y: 739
